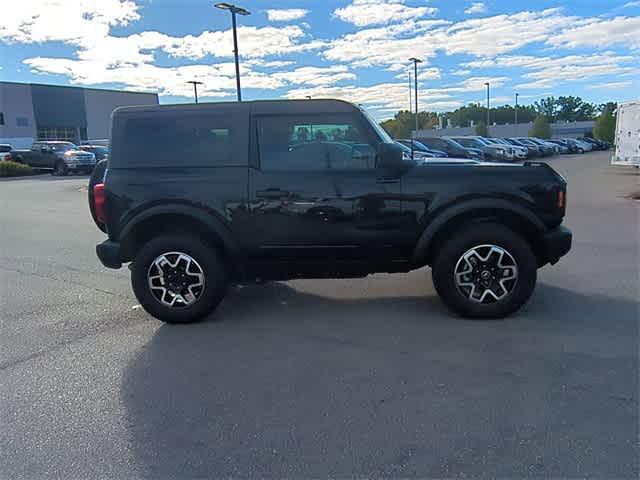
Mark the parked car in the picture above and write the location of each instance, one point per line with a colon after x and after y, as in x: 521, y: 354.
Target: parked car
x: 101, y: 152
x: 595, y: 143
x: 452, y: 148
x: 104, y: 142
x: 239, y: 204
x: 583, y: 146
x: 491, y: 151
x: 563, y: 146
x: 532, y: 149
x: 5, y: 151
x: 414, y: 154
x: 544, y: 149
x: 519, y: 152
x: 60, y: 157
x: 423, y: 148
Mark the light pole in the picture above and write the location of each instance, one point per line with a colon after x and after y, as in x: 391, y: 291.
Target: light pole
x: 195, y: 88
x: 410, y: 94
x: 415, y: 61
x: 516, y: 112
x: 488, y: 107
x: 240, y: 11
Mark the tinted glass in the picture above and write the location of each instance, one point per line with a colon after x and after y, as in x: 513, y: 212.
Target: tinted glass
x: 62, y: 147
x: 333, y: 142
x: 5, y: 148
x: 177, y: 140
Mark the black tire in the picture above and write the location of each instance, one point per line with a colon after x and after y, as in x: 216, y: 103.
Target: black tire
x: 580, y: 151
x: 208, y: 259
x: 97, y: 176
x: 60, y: 169
x: 462, y: 241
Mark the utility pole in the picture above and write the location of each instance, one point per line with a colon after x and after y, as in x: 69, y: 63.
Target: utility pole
x: 488, y: 107
x: 195, y: 88
x: 410, y: 94
x: 240, y: 11
x: 415, y: 61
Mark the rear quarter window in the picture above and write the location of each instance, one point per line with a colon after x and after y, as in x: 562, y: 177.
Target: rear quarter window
x: 170, y: 140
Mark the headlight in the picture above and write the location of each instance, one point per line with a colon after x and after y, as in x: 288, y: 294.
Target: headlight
x: 406, y: 156
x: 68, y: 154
x: 500, y: 151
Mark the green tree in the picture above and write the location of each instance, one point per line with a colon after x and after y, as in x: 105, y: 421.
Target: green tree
x: 482, y: 130
x: 605, y: 128
x: 541, y: 127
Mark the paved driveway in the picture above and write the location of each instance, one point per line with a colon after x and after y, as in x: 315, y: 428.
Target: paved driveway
x: 367, y: 377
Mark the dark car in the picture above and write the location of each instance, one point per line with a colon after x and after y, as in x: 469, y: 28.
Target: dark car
x: 101, y: 152
x: 421, y: 147
x: 597, y: 144
x: 199, y: 196
x: 452, y: 148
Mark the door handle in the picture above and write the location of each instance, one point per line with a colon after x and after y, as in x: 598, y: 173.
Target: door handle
x: 387, y: 180
x: 272, y: 193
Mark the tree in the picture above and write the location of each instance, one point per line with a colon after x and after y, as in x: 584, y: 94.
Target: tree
x: 541, y: 128
x: 605, y: 128
x: 547, y: 107
x: 482, y: 130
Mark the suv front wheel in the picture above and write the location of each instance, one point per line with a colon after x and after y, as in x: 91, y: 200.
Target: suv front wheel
x: 485, y: 271
x: 178, y: 279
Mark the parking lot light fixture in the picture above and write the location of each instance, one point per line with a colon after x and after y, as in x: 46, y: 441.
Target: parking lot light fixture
x: 488, y: 107
x: 195, y: 88
x: 234, y: 9
x: 415, y: 61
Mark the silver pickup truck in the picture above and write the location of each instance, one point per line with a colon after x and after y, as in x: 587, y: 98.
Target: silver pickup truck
x: 60, y: 157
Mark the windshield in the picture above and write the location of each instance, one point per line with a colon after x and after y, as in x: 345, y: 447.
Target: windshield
x: 417, y: 145
x: 376, y: 126
x: 5, y: 148
x: 470, y: 142
x: 62, y: 147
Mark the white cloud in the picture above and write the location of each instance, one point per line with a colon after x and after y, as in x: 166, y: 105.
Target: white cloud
x: 610, y: 85
x: 461, y: 73
x: 256, y: 42
x: 481, y: 37
x: 316, y: 76
x: 33, y: 21
x: 545, y: 72
x: 375, y: 12
x: 600, y: 33
x: 476, y: 7
x: 286, y: 15
x: 431, y: 73
x: 218, y: 80
x: 631, y: 4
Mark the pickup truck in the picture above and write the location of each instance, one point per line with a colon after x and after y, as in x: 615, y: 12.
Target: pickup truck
x: 59, y: 157
x: 200, y: 196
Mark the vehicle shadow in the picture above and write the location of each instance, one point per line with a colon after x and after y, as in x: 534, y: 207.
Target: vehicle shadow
x: 284, y: 383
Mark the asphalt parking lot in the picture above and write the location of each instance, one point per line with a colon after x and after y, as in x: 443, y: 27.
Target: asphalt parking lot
x: 369, y: 377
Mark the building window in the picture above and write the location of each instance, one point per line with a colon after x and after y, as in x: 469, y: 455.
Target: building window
x: 1, y: 118
x: 22, y: 122
x: 57, y: 133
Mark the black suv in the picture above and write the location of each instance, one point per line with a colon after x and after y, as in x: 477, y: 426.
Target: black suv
x: 200, y: 196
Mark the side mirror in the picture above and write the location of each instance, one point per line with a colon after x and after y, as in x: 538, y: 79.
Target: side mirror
x: 389, y: 156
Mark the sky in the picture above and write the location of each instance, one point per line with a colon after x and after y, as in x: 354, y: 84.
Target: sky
x: 357, y: 50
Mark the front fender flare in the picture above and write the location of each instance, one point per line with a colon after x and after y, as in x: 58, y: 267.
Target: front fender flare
x: 428, y: 235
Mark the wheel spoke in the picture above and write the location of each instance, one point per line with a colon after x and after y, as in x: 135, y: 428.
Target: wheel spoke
x: 176, y: 279
x: 486, y: 274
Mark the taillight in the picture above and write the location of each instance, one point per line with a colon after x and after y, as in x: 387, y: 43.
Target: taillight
x: 561, y: 199
x: 7, y: 157
x: 98, y: 201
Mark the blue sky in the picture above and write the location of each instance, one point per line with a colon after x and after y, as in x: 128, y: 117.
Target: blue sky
x: 351, y: 49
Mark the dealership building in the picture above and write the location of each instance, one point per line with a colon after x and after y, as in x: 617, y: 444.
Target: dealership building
x: 30, y: 111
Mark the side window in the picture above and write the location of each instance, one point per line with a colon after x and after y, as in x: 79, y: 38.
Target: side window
x: 178, y: 140
x: 36, y: 146
x: 314, y: 142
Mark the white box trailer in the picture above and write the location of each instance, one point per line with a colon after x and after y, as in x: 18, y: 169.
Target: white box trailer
x: 627, y: 150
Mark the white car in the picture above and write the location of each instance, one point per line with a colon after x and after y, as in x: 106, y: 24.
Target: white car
x: 5, y: 150
x: 586, y: 146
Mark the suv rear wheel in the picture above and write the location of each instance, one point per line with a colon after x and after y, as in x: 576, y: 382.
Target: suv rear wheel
x: 60, y: 169
x: 485, y: 271
x: 178, y: 279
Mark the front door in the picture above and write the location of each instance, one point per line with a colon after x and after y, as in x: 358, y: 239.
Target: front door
x: 314, y: 189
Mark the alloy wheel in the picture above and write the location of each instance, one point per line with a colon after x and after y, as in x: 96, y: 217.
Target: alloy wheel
x: 176, y: 279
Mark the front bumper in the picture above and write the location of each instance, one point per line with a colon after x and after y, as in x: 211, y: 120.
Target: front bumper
x: 557, y: 243
x: 109, y: 254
